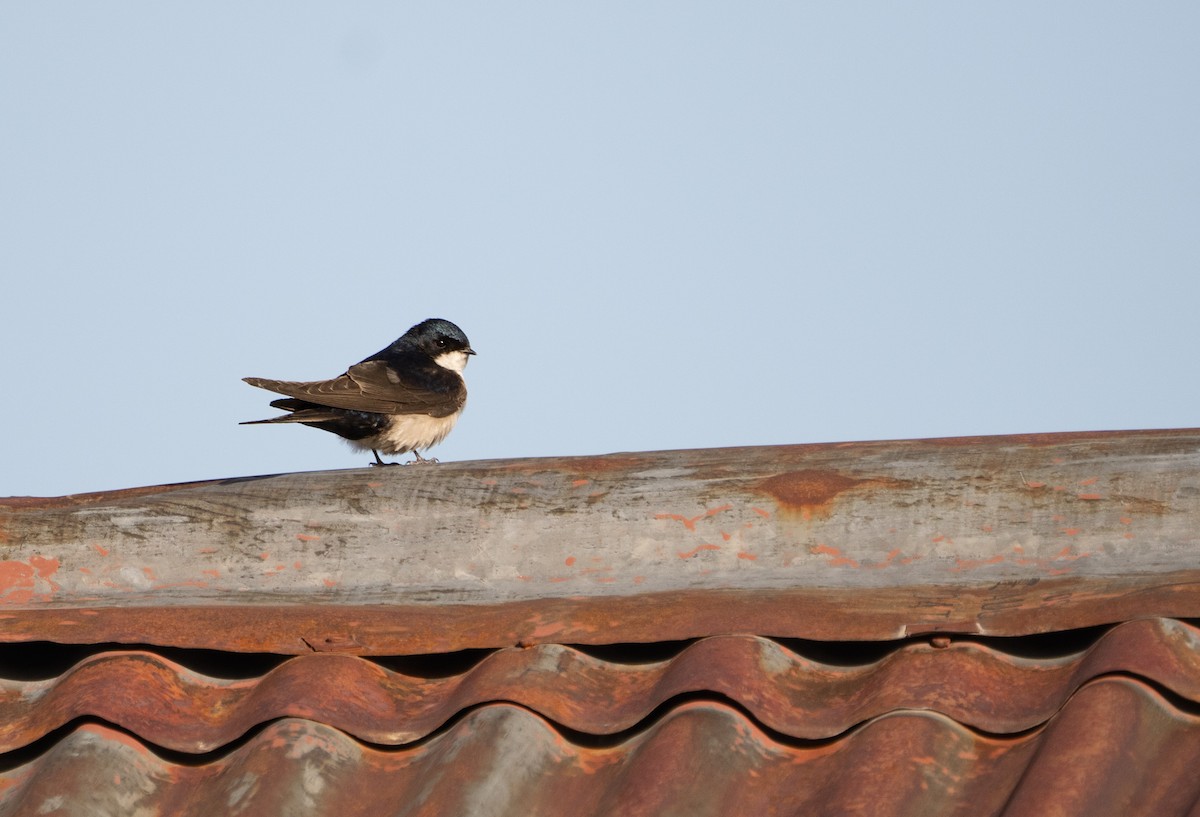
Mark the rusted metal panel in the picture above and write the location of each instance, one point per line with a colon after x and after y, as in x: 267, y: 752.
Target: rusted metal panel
x: 997, y: 535
x: 701, y: 758
x: 787, y: 693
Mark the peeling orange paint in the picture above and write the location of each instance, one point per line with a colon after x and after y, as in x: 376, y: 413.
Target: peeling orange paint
x: 307, y: 537
x: 892, y: 558
x: 763, y: 513
x: 1090, y: 496
x: 16, y: 581
x: 45, y: 567
x: 1072, y: 531
x: 570, y: 560
x: 750, y: 557
x: 970, y: 564
x: 103, y: 551
x: 687, y: 554
x: 838, y: 560
x: 690, y: 522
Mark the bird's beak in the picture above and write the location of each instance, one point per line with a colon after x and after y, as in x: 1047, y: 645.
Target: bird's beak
x: 469, y: 350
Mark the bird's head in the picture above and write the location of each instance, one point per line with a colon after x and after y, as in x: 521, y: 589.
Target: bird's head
x: 442, y: 341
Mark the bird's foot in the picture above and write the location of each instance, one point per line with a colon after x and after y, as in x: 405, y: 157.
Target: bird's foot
x: 379, y: 461
x: 423, y: 460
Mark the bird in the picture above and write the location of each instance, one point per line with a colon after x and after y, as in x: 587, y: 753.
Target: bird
x: 403, y: 398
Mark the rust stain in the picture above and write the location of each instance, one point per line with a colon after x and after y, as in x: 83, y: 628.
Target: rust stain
x: 1090, y: 496
x: 812, y: 491
x: 41, y: 503
x: 575, y: 466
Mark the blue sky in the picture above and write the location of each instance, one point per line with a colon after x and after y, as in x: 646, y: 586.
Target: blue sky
x: 662, y: 225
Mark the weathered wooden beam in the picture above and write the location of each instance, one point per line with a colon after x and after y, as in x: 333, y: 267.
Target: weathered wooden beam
x: 999, y: 535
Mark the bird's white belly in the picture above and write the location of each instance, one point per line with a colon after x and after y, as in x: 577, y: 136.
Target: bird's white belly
x: 412, y: 431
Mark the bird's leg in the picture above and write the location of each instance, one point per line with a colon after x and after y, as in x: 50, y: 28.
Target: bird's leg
x: 379, y: 461
x: 422, y: 460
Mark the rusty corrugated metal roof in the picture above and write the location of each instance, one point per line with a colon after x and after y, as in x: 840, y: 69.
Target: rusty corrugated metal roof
x: 1118, y: 747
x: 982, y: 626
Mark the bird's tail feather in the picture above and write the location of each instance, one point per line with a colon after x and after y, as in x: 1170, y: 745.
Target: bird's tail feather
x: 301, y: 411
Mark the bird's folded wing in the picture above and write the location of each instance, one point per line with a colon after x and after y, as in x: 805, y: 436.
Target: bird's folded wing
x: 374, y: 386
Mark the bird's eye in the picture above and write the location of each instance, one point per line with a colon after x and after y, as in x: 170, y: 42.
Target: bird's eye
x: 441, y: 343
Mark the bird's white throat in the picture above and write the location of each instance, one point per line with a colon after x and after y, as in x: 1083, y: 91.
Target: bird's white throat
x: 454, y: 361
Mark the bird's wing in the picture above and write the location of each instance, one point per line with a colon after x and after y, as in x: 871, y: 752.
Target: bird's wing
x: 375, y: 386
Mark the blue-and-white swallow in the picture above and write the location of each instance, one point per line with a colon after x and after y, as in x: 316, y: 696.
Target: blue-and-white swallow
x: 403, y: 398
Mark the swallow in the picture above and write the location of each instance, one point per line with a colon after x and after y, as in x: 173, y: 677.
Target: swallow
x: 405, y: 397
